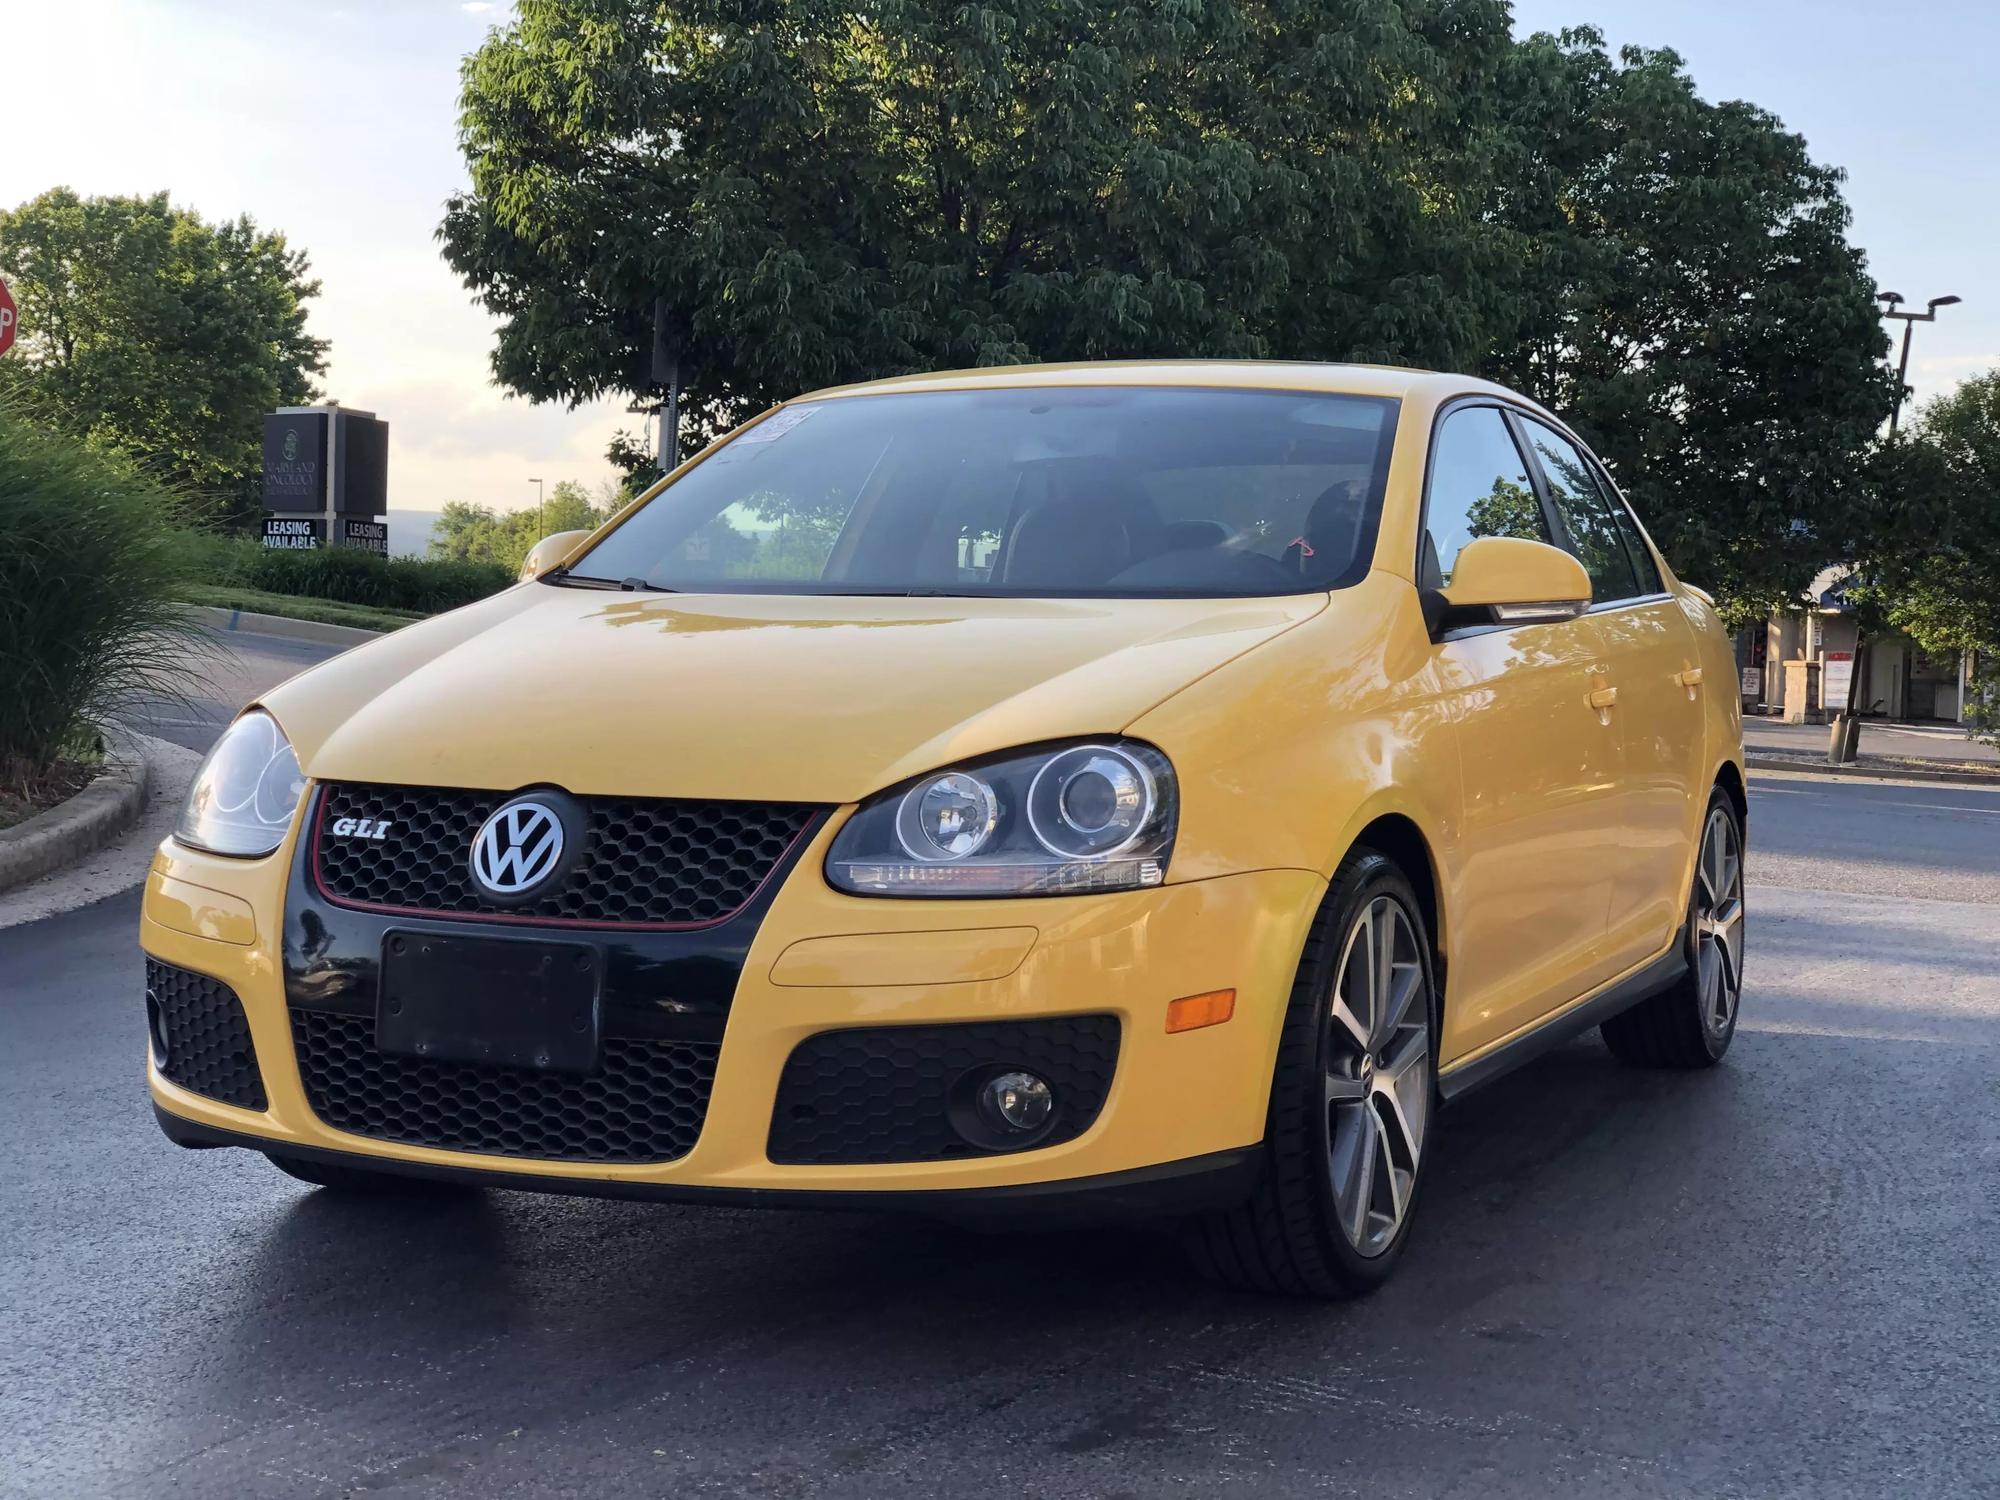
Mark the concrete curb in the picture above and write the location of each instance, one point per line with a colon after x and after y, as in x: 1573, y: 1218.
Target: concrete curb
x: 1866, y: 773
x: 85, y: 823
x: 294, y: 630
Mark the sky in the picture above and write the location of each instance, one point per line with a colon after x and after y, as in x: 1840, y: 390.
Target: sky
x: 336, y: 123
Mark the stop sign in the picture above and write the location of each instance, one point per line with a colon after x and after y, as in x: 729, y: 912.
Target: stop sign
x: 7, y: 318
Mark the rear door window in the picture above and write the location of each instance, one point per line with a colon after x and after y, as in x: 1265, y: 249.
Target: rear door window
x: 1635, y: 541
x: 1593, y: 535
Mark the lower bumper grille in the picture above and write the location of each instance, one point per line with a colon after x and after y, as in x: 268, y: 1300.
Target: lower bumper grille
x: 645, y: 1102
x: 201, y: 1038
x: 883, y: 1094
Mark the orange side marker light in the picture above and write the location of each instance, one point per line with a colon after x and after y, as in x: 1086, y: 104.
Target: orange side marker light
x: 1191, y: 1012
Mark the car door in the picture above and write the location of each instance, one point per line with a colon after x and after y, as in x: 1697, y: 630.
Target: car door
x: 1539, y: 835
x: 1657, y: 712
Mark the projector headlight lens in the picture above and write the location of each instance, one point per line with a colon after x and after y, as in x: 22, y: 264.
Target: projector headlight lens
x: 1057, y: 821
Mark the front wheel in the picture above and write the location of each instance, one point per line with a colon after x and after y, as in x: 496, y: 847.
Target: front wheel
x: 1351, y: 1102
x: 1690, y: 1024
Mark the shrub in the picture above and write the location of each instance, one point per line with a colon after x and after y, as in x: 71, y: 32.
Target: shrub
x: 355, y: 577
x: 89, y: 576
x: 345, y: 575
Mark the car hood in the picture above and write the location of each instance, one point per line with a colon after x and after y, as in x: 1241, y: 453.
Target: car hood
x: 785, y: 698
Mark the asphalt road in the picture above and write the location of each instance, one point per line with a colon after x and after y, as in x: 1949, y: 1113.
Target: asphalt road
x: 1776, y: 1278
x: 240, y: 666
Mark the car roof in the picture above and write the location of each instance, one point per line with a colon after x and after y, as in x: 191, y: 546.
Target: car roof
x: 1244, y: 374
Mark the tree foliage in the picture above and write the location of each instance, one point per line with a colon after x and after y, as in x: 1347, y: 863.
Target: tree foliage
x: 152, y: 334
x: 476, y: 533
x: 1691, y: 302
x: 823, y: 193
x: 1939, y: 581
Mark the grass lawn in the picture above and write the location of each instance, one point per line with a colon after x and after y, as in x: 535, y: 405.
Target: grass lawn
x: 298, y: 607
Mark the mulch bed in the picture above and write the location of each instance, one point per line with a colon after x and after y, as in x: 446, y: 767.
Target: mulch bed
x: 22, y: 795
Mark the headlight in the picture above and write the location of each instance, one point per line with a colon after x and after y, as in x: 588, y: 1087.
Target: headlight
x: 245, y: 793
x: 1054, y: 822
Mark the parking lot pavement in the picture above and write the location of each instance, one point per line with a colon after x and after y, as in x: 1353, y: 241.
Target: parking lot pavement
x: 237, y: 667
x: 1919, y: 742
x: 1772, y: 1279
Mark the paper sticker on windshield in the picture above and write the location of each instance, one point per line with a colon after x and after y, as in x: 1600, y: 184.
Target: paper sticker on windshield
x: 774, y: 427
x: 765, y: 432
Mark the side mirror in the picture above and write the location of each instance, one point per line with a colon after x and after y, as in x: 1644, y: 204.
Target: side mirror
x: 1511, y: 581
x: 549, y: 551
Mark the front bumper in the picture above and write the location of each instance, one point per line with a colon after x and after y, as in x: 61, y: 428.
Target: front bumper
x: 1184, y: 1108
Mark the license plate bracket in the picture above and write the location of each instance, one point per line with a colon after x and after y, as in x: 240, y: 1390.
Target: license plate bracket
x: 512, y: 1002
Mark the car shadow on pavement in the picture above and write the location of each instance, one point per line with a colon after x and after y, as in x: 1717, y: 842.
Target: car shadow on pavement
x: 455, y: 1261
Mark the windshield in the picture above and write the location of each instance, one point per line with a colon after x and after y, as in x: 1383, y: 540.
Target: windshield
x: 1070, y: 492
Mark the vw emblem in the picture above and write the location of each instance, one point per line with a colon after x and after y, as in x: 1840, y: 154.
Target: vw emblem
x: 517, y: 848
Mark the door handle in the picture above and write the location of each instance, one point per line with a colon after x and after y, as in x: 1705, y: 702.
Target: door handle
x: 1690, y: 678
x: 1603, y: 697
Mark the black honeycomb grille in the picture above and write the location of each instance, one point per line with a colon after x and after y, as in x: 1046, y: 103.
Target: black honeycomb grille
x: 646, y: 862
x: 201, y: 1038
x: 645, y: 1102
x: 891, y: 1093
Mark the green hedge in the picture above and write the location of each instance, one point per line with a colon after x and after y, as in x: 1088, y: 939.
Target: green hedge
x: 345, y: 574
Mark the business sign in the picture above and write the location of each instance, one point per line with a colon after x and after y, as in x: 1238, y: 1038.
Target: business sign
x: 9, y: 318
x: 293, y: 533
x: 1753, y: 683
x: 1834, y: 678
x: 360, y: 465
x: 295, y: 461
x: 372, y: 536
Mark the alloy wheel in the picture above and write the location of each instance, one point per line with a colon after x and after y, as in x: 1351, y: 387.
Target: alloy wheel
x: 1378, y: 1089
x: 1718, y: 923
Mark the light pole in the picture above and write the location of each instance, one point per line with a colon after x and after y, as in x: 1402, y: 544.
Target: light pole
x: 1910, y: 321
x: 1845, y: 742
x: 538, y: 507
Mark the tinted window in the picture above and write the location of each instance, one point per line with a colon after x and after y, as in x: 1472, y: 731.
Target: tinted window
x: 1072, y: 491
x: 1628, y: 529
x: 1478, y: 487
x: 1593, y: 534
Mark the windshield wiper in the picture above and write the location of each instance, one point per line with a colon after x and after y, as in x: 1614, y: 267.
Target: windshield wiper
x: 563, y: 578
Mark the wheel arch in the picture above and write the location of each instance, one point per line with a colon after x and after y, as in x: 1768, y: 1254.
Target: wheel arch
x: 1729, y: 776
x: 1402, y: 839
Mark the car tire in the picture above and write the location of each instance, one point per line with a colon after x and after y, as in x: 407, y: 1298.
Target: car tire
x: 342, y: 1178
x: 1690, y: 1024
x: 1353, y: 1103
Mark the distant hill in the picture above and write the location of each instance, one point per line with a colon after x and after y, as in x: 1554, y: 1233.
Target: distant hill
x: 410, y: 531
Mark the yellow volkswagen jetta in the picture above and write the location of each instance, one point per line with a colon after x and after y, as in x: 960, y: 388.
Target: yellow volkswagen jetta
x: 1149, y: 786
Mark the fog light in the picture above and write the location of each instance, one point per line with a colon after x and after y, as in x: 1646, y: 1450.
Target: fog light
x: 1018, y: 1102
x: 156, y: 1030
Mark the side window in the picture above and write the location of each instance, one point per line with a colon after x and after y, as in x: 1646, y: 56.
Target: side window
x: 1479, y: 486
x: 1635, y: 544
x: 1580, y: 505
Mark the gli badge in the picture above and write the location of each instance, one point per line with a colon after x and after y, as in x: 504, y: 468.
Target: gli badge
x: 361, y: 828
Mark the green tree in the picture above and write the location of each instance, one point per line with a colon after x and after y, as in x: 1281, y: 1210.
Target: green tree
x: 1686, y: 295
x: 476, y: 533
x: 822, y: 192
x: 1508, y: 509
x: 153, y: 334
x: 1939, y: 581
